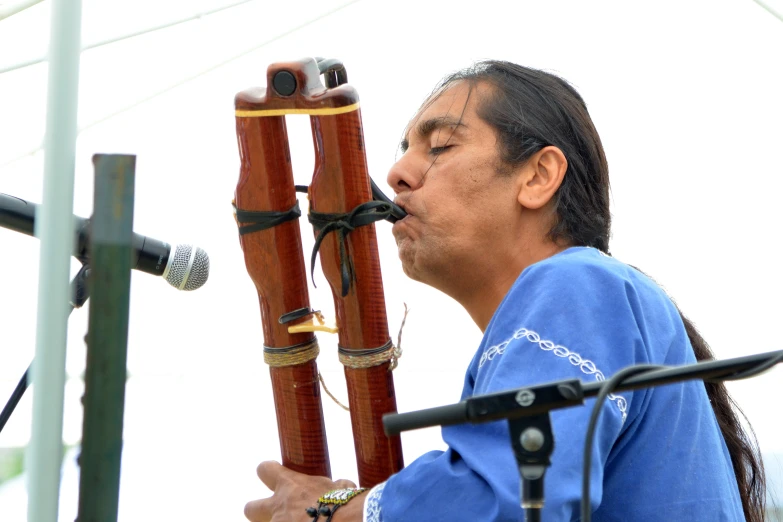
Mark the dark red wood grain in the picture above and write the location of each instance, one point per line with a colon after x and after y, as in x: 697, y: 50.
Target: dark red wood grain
x: 275, y: 263
x: 340, y: 183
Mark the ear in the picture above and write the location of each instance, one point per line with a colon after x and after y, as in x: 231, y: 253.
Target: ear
x: 541, y: 177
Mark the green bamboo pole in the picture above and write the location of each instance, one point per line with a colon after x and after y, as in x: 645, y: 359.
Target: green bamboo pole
x: 107, y: 338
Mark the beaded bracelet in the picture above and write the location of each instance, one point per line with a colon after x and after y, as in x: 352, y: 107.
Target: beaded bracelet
x: 336, y: 498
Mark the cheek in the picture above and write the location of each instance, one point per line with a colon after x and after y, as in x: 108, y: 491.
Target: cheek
x: 486, y: 217
x: 449, y: 202
x: 465, y: 203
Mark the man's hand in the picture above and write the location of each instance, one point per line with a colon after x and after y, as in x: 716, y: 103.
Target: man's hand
x: 293, y: 493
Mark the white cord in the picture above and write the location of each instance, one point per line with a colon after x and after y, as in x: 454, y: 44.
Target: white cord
x: 770, y: 10
x: 188, y: 79
x: 107, y: 41
x: 11, y: 9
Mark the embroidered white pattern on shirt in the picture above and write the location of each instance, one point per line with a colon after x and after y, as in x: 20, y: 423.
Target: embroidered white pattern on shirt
x: 372, y: 504
x: 587, y: 366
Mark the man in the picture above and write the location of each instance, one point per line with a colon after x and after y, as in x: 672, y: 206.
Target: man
x: 506, y: 187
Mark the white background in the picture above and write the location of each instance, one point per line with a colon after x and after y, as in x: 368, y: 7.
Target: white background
x: 687, y: 99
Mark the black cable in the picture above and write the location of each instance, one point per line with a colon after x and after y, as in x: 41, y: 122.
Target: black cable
x: 607, y: 388
x: 616, y: 380
x: 16, y: 396
x: 79, y: 295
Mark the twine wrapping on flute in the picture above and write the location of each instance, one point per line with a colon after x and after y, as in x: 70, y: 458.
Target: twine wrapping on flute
x: 393, y: 358
x: 291, y: 355
x: 366, y: 358
x: 364, y: 214
x: 375, y: 356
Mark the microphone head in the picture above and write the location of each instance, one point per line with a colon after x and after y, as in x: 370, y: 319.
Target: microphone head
x: 188, y: 268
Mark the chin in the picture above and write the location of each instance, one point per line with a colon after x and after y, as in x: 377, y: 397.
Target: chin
x: 408, y: 273
x: 408, y: 265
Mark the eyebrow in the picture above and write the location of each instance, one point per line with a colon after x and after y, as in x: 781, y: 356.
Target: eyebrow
x: 425, y: 128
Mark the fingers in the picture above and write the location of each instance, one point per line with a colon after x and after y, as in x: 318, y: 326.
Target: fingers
x: 259, y: 510
x: 292, y: 493
x: 344, y: 483
x: 269, y: 472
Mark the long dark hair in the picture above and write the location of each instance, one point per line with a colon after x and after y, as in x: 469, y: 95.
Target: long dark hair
x: 531, y: 109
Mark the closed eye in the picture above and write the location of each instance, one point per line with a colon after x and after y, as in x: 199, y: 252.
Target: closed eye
x: 436, y: 151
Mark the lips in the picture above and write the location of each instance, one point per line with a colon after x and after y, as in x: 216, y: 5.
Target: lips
x: 400, y: 203
x: 398, y: 223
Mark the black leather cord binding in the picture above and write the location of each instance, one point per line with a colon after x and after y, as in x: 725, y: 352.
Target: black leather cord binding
x: 262, y: 220
x: 296, y: 314
x: 323, y: 223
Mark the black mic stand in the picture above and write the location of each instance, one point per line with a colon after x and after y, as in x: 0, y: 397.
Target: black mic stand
x: 527, y: 412
x: 533, y: 443
x: 79, y: 296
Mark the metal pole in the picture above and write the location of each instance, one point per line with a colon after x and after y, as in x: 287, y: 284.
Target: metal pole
x: 107, y: 338
x: 55, y: 230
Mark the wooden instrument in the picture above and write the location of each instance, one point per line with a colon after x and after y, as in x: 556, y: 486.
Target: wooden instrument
x: 344, y: 203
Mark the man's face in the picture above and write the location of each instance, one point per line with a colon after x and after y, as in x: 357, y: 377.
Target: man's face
x: 459, y: 207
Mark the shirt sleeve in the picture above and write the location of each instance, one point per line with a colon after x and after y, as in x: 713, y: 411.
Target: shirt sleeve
x: 557, y: 322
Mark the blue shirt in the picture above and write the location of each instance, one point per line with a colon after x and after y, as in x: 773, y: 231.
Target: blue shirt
x: 658, y: 453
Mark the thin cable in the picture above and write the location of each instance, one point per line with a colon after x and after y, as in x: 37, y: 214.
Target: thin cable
x: 16, y: 396
x: 615, y: 381
x: 606, y: 389
x: 189, y: 78
x: 79, y: 295
x: 7, y: 11
x: 107, y: 41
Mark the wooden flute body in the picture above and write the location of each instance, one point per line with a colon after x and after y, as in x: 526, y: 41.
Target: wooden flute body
x: 275, y: 263
x: 342, y: 212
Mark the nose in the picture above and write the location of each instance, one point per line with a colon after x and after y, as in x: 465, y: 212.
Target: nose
x: 403, y: 176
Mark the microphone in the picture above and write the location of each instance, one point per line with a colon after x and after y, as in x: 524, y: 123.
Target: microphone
x: 186, y: 269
